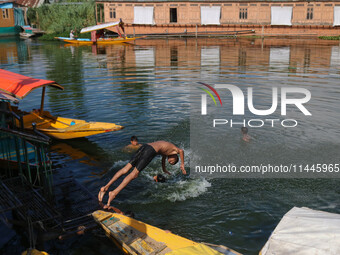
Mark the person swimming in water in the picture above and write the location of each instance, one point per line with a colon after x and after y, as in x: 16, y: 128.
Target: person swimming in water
x: 245, y: 136
x: 135, y: 145
x: 159, y: 178
x: 144, y: 155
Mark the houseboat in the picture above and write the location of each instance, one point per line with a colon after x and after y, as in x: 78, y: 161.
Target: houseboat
x: 289, y: 17
x: 11, y: 18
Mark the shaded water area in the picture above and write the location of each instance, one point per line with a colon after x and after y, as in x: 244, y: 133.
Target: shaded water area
x: 145, y: 87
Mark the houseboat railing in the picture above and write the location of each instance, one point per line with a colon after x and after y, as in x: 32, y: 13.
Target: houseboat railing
x: 24, y: 153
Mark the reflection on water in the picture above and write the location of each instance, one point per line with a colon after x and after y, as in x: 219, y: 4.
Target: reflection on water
x: 13, y: 50
x: 145, y: 87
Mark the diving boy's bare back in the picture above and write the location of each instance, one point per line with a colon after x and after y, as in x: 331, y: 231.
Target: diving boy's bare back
x: 165, y: 148
x: 140, y: 160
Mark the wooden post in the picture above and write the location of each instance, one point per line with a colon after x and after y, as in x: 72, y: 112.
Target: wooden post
x: 94, y: 36
x: 25, y: 16
x: 42, y: 100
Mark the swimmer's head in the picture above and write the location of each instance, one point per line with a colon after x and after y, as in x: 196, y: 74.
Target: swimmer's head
x: 244, y: 130
x: 173, y: 159
x: 159, y: 178
x: 134, y: 140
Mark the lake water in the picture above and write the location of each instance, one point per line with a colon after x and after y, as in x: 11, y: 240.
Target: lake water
x: 146, y: 88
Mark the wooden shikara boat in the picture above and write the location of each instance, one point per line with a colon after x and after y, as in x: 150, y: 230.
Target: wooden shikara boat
x: 138, y: 238
x: 100, y: 41
x: 66, y: 128
x: 20, y: 86
x: 96, y: 29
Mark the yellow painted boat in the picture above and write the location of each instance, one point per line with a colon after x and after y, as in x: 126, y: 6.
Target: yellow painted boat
x: 33, y: 252
x: 97, y: 29
x: 66, y: 128
x: 138, y: 238
x: 101, y: 41
x: 19, y: 86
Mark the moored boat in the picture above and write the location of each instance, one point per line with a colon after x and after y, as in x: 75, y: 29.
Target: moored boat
x: 66, y: 128
x: 98, y: 37
x: 84, y: 41
x: 19, y: 86
x: 136, y: 237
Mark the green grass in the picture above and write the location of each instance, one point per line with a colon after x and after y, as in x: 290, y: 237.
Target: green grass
x: 251, y: 36
x: 61, y: 19
x: 329, y: 37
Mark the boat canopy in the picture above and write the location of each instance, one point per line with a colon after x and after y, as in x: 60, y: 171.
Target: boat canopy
x: 7, y: 98
x: 19, y: 86
x: 303, y: 231
x: 101, y: 26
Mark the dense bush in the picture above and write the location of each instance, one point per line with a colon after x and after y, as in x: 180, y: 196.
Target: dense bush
x: 60, y: 18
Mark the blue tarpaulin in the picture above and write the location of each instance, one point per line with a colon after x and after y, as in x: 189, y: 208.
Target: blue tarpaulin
x: 19, y: 17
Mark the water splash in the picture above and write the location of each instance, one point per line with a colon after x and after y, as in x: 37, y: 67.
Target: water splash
x: 188, y: 189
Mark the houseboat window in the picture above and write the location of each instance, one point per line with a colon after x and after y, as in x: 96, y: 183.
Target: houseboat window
x: 5, y: 13
x: 309, y: 13
x: 173, y: 15
x: 243, y: 13
x: 112, y: 13
x: 100, y: 13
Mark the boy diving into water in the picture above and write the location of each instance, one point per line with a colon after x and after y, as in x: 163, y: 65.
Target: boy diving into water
x: 139, y: 161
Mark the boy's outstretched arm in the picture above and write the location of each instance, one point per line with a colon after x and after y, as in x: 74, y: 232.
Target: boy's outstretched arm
x: 163, y: 166
x: 181, y: 155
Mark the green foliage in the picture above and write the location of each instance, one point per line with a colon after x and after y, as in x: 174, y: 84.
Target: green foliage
x: 61, y: 19
x: 329, y: 37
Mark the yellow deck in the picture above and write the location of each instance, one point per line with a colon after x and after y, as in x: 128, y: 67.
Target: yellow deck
x: 138, y: 238
x: 66, y: 128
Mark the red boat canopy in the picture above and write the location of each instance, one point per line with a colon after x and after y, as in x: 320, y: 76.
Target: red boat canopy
x: 20, y: 86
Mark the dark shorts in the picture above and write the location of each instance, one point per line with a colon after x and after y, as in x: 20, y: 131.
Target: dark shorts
x: 143, y: 157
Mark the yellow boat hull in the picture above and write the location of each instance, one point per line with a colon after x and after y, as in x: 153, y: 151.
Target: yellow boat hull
x: 102, y: 41
x: 66, y: 128
x: 136, y: 237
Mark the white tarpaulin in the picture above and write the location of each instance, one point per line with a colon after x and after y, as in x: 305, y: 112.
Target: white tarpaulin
x: 336, y: 16
x: 281, y: 15
x: 98, y: 27
x: 210, y: 15
x: 143, y: 15
x: 303, y: 231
